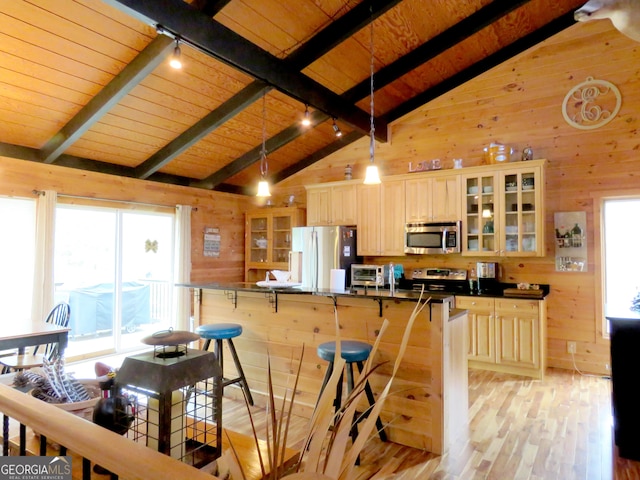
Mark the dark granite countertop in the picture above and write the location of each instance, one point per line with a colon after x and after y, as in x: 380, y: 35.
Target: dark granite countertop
x: 403, y: 295
x: 381, y: 293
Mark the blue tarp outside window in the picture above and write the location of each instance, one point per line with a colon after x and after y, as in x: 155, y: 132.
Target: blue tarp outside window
x: 92, y: 308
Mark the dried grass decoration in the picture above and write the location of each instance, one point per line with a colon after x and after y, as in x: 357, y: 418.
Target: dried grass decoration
x: 53, y: 385
x: 326, y: 454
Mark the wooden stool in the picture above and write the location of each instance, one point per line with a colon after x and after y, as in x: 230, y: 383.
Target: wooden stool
x: 353, y: 352
x: 220, y: 332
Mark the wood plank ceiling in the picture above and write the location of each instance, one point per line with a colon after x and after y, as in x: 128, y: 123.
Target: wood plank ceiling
x: 86, y: 83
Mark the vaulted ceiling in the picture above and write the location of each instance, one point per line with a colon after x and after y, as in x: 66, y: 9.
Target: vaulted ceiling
x: 86, y: 83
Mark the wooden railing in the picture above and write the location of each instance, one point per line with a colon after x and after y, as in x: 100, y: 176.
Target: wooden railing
x: 94, y: 444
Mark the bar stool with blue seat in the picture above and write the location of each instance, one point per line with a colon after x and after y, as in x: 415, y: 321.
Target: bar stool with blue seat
x: 352, y: 351
x: 220, y: 332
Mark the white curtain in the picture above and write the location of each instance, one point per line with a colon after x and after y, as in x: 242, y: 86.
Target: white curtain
x: 182, y: 269
x: 43, y: 287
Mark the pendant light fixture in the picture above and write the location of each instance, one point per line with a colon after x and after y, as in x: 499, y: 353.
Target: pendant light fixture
x: 372, y: 176
x: 176, y: 57
x: 263, y: 184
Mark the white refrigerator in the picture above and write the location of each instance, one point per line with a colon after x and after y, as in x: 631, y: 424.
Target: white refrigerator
x: 324, y: 248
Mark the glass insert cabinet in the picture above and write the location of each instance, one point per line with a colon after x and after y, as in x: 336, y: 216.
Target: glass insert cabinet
x: 268, y: 240
x: 504, y: 211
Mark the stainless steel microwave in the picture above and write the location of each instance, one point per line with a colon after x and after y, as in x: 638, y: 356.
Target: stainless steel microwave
x: 432, y: 237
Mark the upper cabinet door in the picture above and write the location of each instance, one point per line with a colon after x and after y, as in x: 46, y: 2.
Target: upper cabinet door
x: 392, y: 199
x: 445, y: 198
x: 505, y: 211
x: 522, y: 219
x: 479, y: 222
x: 343, y: 205
x: 319, y: 206
x: 331, y: 205
x: 417, y: 199
x: 368, y: 240
x: 432, y: 199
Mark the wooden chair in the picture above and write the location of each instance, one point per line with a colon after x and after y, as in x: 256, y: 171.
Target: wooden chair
x: 59, y: 315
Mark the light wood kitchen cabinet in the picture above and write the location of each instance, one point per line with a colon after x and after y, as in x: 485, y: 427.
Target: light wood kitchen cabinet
x: 481, y: 327
x: 518, y: 333
x: 506, y: 334
x: 504, y: 210
x: 380, y: 228
x: 432, y: 198
x: 268, y: 240
x: 331, y: 204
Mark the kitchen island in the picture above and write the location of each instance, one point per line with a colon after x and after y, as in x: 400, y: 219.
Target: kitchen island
x: 429, y: 402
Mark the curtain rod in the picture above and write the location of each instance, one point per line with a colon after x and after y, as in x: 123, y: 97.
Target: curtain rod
x: 42, y: 192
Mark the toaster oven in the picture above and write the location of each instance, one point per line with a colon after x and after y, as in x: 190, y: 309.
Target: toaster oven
x: 367, y: 276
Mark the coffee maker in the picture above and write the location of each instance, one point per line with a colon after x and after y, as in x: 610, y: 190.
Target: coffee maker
x: 487, y: 277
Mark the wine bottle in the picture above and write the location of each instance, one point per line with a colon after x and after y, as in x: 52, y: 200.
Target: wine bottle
x: 576, y: 236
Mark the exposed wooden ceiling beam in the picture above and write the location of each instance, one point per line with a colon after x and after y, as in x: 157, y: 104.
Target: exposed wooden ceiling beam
x: 515, y: 48
x: 338, y: 31
x: 210, y: 7
x: 202, y: 128
x: 435, y: 46
x: 335, y: 33
x: 33, y: 155
x: 456, y: 80
x: 213, y: 38
x: 279, y: 140
x: 316, y: 156
x: 141, y: 66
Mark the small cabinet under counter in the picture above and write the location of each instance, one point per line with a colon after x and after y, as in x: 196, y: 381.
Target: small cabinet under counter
x: 506, y: 334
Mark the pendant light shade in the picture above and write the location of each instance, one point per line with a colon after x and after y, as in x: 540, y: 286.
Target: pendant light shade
x: 372, y: 176
x: 263, y: 184
x: 263, y: 189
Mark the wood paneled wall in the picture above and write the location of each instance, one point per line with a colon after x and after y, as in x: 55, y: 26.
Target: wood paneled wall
x: 211, y: 209
x: 519, y: 103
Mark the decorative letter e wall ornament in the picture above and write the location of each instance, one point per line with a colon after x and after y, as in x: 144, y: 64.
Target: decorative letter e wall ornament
x: 591, y: 104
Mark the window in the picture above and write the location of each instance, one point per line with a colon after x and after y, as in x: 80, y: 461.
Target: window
x: 114, y: 267
x: 621, y: 237
x: 17, y: 245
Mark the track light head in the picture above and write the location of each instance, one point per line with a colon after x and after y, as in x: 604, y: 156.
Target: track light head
x: 176, y: 57
x: 306, y: 119
x: 336, y: 129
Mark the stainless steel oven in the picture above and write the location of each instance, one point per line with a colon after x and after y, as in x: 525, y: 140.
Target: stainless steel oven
x: 432, y: 237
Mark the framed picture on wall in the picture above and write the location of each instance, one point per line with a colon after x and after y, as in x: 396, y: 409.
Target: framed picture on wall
x: 571, y: 243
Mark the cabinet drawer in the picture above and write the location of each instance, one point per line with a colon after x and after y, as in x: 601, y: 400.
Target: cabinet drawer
x: 475, y: 303
x: 522, y: 306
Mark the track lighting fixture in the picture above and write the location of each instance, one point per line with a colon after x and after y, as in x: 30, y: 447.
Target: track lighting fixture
x: 372, y: 176
x: 306, y: 120
x: 336, y: 129
x: 176, y: 58
x: 263, y: 184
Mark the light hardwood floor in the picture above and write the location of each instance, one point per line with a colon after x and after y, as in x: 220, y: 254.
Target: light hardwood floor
x: 520, y: 428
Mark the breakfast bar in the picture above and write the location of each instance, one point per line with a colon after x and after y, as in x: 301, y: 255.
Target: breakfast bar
x: 429, y: 402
